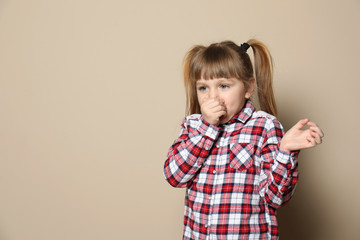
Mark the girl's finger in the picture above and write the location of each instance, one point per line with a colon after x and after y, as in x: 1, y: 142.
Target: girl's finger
x: 317, y: 130
x: 317, y: 137
x: 311, y: 124
x: 220, y: 115
x: 311, y: 141
x: 213, y: 103
x: 314, y: 127
x: 300, y: 124
x: 218, y: 108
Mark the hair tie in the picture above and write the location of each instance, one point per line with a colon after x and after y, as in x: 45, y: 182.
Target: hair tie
x: 244, y: 46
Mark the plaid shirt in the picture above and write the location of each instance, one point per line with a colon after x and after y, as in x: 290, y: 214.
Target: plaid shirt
x: 236, y: 176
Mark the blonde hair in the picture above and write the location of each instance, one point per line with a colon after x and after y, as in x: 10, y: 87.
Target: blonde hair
x: 228, y: 60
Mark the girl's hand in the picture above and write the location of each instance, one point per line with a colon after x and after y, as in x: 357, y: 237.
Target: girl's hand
x: 212, y: 110
x: 296, y: 138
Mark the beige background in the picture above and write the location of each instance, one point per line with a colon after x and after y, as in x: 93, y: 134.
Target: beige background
x: 91, y: 97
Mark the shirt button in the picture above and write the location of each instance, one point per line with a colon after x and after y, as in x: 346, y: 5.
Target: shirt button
x: 214, y: 171
x: 217, y: 145
x: 206, y: 148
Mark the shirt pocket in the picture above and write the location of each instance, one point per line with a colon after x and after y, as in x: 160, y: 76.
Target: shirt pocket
x: 241, y: 156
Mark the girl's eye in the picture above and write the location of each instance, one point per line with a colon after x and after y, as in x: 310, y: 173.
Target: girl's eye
x: 224, y: 86
x: 202, y: 88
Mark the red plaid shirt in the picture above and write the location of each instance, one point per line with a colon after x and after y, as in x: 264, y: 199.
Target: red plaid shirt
x: 236, y: 176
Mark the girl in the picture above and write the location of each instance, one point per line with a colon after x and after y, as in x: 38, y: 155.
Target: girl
x: 236, y: 163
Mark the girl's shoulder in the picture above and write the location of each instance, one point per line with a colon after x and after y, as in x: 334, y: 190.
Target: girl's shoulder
x: 262, y: 114
x: 268, y: 121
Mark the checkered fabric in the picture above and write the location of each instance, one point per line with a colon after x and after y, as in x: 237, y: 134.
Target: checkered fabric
x: 236, y: 176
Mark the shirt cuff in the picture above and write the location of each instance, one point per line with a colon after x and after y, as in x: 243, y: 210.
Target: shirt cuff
x: 208, y: 130
x: 285, y: 157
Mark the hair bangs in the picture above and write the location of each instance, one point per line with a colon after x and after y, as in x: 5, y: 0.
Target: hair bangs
x: 217, y: 62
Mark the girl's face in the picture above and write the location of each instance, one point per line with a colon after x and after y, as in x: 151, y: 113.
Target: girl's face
x: 230, y: 92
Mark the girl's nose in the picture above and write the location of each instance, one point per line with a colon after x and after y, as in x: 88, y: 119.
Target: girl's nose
x: 213, y: 94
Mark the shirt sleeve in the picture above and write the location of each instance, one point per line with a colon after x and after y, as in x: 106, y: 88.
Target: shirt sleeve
x: 279, y: 169
x: 187, y: 154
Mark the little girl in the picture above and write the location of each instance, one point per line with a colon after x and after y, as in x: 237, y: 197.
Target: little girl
x: 236, y: 163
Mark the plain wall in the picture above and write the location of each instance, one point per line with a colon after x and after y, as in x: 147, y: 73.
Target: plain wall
x: 91, y: 98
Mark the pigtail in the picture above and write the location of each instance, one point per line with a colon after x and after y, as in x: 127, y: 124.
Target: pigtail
x: 263, y: 74
x: 192, y: 105
x: 187, y: 83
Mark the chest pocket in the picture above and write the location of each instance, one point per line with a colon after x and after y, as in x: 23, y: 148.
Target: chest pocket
x: 241, y: 156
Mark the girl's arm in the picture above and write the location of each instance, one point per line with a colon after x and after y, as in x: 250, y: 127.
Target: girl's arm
x: 279, y: 171
x: 187, y: 154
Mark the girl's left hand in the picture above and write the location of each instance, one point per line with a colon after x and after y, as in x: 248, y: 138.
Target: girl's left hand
x: 296, y: 138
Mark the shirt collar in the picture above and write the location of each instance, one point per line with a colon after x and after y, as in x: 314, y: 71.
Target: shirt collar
x: 245, y: 113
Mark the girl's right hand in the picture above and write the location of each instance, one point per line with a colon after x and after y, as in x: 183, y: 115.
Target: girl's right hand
x: 212, y: 110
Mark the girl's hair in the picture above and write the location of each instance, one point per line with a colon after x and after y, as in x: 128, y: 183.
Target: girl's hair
x: 228, y: 60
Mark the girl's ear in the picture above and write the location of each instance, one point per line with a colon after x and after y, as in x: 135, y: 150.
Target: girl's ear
x: 251, y: 88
